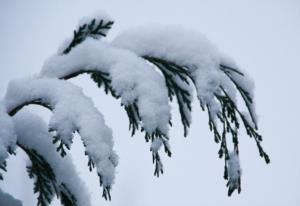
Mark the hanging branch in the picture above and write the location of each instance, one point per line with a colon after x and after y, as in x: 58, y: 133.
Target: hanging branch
x: 171, y: 72
x: 244, y: 94
x: 44, y: 177
x: 45, y: 182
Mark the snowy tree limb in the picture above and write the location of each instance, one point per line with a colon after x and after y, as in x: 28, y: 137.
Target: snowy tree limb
x: 53, y: 175
x: 82, y: 117
x: 142, y: 90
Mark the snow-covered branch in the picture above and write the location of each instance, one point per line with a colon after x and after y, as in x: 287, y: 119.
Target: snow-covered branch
x: 142, y: 90
x: 145, y: 67
x: 217, y: 79
x: 53, y: 175
x: 72, y: 112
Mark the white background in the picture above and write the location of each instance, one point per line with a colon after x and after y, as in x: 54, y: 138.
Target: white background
x: 264, y: 39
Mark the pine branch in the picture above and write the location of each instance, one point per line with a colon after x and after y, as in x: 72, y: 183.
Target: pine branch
x: 229, y: 116
x: 251, y: 131
x: 245, y: 94
x: 44, y: 177
x: 170, y: 72
x: 102, y: 78
x: 93, y: 29
x: 66, y: 197
x: 45, y: 182
x: 156, y: 159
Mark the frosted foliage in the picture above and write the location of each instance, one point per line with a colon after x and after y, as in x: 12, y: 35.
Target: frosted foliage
x: 132, y: 78
x: 72, y: 111
x: 234, y: 170
x: 7, y: 135
x: 38, y: 139
x: 8, y: 200
x: 188, y: 49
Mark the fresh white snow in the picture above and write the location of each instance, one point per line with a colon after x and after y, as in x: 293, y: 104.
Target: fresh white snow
x: 191, y: 50
x: 72, y: 111
x: 234, y: 169
x: 131, y: 77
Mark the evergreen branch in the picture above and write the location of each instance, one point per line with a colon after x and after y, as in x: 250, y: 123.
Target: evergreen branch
x: 35, y: 102
x: 93, y: 29
x: 102, y: 78
x: 133, y: 116
x: 156, y: 159
x: 227, y: 117
x: 245, y: 94
x: 44, y: 177
x: 170, y: 72
x: 45, y: 180
x: 251, y: 131
x: 66, y: 197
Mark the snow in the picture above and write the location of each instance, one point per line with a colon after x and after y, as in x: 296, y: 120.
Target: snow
x: 156, y: 145
x: 72, y: 111
x: 132, y: 78
x: 189, y: 49
x: 8, y: 138
x: 39, y: 139
x: 234, y: 170
x: 8, y: 200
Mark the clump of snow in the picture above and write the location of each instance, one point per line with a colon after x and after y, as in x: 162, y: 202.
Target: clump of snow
x: 234, y: 170
x: 8, y: 200
x: 33, y: 134
x: 188, y: 49
x: 156, y: 145
x: 8, y: 138
x: 132, y: 78
x: 72, y: 111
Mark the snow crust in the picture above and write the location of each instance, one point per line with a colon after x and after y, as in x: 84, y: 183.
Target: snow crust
x: 132, y: 78
x: 72, y: 111
x: 8, y: 200
x: 33, y: 133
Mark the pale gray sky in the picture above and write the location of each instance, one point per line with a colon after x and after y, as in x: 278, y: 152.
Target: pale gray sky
x: 263, y: 38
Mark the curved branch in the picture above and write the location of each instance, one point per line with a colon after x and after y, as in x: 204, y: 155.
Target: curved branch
x: 142, y: 90
x: 39, y: 102
x: 83, y: 117
x: 52, y: 172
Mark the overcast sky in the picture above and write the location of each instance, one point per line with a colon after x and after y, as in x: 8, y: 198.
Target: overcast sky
x: 264, y: 39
